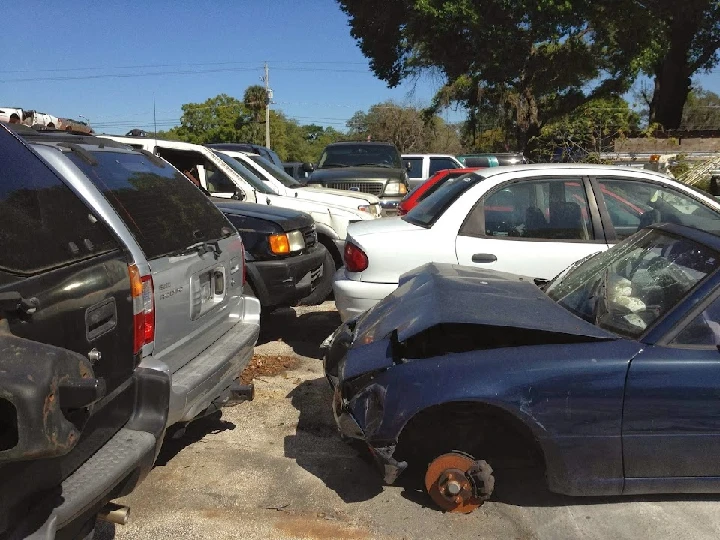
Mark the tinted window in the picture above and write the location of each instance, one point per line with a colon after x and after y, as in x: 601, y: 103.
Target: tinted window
x: 43, y: 224
x: 415, y: 167
x: 634, y: 204
x: 217, y: 181
x: 439, y: 164
x: 430, y: 209
x: 162, y: 209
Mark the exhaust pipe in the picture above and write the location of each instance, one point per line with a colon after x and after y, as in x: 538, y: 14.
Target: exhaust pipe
x: 115, y: 513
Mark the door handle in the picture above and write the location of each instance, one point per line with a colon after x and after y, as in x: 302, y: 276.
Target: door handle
x: 484, y: 258
x: 100, y: 318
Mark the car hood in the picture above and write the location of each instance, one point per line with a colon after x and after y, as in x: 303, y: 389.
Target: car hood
x: 443, y: 293
x: 285, y: 218
x: 329, y: 194
x: 356, y: 173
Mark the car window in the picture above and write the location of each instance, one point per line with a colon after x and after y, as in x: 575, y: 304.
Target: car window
x: 634, y: 204
x: 430, y: 209
x: 281, y: 176
x: 162, y: 209
x: 358, y: 155
x: 549, y: 209
x: 703, y: 330
x: 217, y: 181
x: 415, y: 167
x: 246, y: 174
x: 439, y: 164
x: 43, y: 224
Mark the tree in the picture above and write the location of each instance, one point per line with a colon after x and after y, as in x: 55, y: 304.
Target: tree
x: 406, y: 127
x: 587, y: 132
x: 671, y: 41
x: 534, y: 58
x: 218, y: 119
x: 701, y: 110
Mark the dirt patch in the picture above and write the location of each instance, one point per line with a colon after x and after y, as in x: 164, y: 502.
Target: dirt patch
x: 319, y: 528
x: 268, y: 366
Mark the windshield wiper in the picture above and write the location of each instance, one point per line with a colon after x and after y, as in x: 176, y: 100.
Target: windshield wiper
x: 201, y: 248
x: 384, y: 165
x: 331, y: 165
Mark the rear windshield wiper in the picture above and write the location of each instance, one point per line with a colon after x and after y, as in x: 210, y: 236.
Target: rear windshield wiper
x: 385, y: 165
x: 201, y: 248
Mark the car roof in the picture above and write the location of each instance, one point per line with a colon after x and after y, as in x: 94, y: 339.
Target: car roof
x: 428, y: 155
x: 488, y: 172
x: 61, y: 138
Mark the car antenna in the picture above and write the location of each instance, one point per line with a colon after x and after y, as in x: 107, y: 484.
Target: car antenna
x: 154, y: 123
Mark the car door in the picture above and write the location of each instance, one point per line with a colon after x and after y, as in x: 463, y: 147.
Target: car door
x: 671, y: 417
x: 534, y: 227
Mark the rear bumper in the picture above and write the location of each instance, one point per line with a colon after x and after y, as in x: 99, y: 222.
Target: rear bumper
x: 199, y: 382
x: 284, y: 282
x: 355, y: 297
x: 111, y: 472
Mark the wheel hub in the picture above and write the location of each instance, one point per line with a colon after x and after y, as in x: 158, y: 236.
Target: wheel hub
x: 449, y: 483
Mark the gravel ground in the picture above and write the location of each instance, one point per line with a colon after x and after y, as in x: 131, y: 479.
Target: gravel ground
x: 275, y: 468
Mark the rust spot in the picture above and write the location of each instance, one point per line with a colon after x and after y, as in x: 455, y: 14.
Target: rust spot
x: 321, y: 529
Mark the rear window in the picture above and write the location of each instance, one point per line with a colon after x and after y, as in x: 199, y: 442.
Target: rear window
x: 281, y: 176
x: 431, y: 208
x: 43, y: 224
x: 163, y: 210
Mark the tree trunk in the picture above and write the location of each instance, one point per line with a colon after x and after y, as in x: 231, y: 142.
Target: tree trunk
x: 672, y: 75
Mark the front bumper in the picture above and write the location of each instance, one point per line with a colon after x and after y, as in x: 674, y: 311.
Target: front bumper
x: 390, y: 205
x: 355, y: 297
x: 347, y: 424
x: 284, y: 282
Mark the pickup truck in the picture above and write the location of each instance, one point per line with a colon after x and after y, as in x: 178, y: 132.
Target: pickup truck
x: 365, y: 167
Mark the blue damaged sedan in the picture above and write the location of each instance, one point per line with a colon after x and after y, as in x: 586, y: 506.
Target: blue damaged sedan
x: 608, y: 377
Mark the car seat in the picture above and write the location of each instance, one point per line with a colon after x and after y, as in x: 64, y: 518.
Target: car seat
x: 566, y: 221
x: 535, y: 223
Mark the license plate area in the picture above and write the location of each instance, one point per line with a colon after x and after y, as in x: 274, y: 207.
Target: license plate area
x: 208, y: 290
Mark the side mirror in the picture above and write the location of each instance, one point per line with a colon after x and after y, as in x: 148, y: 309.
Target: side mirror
x: 308, y: 167
x: 408, y: 166
x: 239, y: 195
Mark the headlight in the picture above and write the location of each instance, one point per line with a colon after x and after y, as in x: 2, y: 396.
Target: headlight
x: 395, y: 187
x: 286, y: 242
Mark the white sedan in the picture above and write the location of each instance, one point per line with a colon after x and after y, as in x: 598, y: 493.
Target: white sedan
x: 531, y: 220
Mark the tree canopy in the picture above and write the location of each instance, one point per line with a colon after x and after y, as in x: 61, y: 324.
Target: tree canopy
x: 537, y: 60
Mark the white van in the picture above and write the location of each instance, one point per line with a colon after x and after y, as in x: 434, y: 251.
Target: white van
x: 226, y: 177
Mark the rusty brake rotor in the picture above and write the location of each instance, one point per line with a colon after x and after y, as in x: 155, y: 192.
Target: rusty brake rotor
x: 448, y: 483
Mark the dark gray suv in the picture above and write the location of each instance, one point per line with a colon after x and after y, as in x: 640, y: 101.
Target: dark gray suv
x: 367, y: 167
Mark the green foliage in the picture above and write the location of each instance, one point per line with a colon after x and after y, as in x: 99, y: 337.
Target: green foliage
x: 533, y: 59
x: 701, y: 111
x: 408, y: 128
x: 587, y: 132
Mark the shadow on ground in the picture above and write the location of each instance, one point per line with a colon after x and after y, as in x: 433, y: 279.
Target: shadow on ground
x: 527, y: 488
x: 194, y: 432
x: 303, y: 333
x: 316, y: 446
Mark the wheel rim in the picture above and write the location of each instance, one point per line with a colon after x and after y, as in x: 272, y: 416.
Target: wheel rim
x: 449, y: 485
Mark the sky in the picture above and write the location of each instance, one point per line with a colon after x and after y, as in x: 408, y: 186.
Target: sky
x: 109, y: 61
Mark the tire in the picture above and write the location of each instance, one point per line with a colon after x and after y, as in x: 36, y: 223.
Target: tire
x: 324, y: 288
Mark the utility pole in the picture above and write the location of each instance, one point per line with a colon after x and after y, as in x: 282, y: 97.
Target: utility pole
x: 268, y: 100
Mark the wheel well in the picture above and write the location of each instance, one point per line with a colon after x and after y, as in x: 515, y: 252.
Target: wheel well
x: 332, y: 248
x: 502, y: 439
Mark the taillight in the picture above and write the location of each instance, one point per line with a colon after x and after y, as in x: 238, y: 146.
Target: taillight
x: 355, y: 258
x: 141, y: 288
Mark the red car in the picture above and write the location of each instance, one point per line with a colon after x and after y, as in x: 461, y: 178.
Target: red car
x: 428, y: 187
